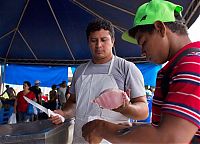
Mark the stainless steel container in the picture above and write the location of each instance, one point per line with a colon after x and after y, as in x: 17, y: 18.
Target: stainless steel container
x: 38, y: 132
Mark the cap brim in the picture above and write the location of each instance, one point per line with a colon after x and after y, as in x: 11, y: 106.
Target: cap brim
x: 126, y: 37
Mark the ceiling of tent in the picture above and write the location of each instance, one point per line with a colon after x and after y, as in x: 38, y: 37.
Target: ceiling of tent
x: 53, y: 31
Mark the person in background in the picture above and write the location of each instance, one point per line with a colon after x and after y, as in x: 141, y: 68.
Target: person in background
x: 160, y: 31
x: 10, y: 91
x: 37, y: 91
x: 53, y: 97
x: 104, y: 71
x: 148, y: 91
x: 67, y: 94
x: 152, y: 89
x: 21, y: 105
x: 61, y: 93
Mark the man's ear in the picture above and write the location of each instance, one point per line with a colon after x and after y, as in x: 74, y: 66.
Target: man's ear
x: 160, y: 27
x: 113, y: 40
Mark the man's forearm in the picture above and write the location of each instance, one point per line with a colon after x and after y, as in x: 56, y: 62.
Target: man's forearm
x: 69, y: 109
x: 136, y: 111
x: 115, y: 133
x: 112, y: 132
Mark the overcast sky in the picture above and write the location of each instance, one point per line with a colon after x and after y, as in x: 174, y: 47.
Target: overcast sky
x: 194, y: 30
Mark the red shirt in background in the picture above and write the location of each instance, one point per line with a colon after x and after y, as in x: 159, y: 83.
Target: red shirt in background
x: 22, y: 104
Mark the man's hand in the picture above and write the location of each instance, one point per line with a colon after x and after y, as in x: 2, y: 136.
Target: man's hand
x: 125, y: 104
x: 56, y: 119
x: 90, y: 131
x: 96, y: 130
x: 122, y: 107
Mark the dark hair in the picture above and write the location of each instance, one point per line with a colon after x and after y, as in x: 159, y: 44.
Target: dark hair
x: 53, y: 86
x: 64, y: 82
x: 178, y: 26
x: 99, y: 24
x: 28, y: 83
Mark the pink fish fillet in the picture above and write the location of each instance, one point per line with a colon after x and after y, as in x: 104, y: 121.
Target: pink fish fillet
x: 111, y: 98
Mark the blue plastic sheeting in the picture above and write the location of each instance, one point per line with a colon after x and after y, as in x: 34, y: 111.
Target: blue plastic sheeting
x: 48, y: 75
x: 149, y: 72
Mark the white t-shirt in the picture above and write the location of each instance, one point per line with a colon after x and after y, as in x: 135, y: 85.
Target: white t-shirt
x: 126, y: 74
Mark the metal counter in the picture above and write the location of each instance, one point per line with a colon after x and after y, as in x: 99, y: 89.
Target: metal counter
x: 37, y: 132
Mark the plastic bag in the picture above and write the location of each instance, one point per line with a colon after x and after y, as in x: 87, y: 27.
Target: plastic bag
x: 12, y: 119
x: 35, y: 110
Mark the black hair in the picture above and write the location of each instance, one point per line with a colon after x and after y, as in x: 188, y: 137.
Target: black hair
x: 53, y: 86
x: 28, y: 83
x: 178, y: 26
x: 99, y: 24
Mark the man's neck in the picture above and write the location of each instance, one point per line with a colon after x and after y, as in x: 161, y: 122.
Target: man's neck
x: 102, y: 61
x: 178, y: 43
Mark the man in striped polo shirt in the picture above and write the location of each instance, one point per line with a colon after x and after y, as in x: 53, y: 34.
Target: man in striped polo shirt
x: 160, y: 30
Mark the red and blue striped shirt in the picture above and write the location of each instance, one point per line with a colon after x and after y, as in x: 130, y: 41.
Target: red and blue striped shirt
x: 183, y: 98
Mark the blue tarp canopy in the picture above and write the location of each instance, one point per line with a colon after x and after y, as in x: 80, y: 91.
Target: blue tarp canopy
x: 53, y: 31
x: 48, y: 75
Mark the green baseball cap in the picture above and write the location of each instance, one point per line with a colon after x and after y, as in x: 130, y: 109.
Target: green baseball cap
x: 148, y: 13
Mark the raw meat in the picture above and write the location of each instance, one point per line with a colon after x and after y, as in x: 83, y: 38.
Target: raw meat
x: 112, y: 98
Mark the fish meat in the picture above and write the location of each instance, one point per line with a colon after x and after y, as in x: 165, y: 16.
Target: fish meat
x: 112, y: 98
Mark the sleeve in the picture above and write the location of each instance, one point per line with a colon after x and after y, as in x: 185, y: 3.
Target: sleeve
x: 72, y: 88
x: 75, y: 77
x: 134, y: 80
x: 40, y: 91
x: 32, y: 95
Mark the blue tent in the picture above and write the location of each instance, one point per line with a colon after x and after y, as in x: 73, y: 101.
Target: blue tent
x: 53, y: 31
x: 48, y: 75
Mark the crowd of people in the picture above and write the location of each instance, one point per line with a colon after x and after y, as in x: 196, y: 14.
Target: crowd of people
x: 57, y: 97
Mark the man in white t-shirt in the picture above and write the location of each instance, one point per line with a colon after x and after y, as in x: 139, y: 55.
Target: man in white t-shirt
x: 104, y: 71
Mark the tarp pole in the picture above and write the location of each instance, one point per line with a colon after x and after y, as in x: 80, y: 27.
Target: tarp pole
x: 2, y: 80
